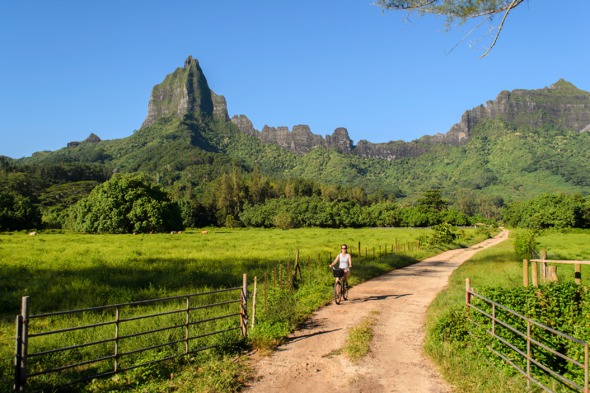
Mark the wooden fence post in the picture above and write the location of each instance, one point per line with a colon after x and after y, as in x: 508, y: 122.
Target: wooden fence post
x: 359, y: 250
x: 578, y: 273
x: 543, y: 266
x: 244, y: 308
x: 265, y: 292
x: 525, y: 272
x: 535, y: 274
x: 19, y: 383
x: 296, y: 267
x: 187, y: 322
x: 467, y: 294
x: 22, y: 343
x: 552, y: 273
x: 586, y: 389
x: 254, y: 303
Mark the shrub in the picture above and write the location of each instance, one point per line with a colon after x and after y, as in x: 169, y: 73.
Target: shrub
x: 526, y: 245
x: 452, y: 326
x: 124, y: 204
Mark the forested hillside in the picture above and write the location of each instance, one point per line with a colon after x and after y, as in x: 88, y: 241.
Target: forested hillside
x: 218, y: 174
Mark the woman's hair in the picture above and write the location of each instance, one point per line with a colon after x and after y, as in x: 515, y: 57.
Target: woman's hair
x: 344, y: 245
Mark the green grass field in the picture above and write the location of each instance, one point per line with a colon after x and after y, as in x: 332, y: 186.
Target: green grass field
x: 64, y: 271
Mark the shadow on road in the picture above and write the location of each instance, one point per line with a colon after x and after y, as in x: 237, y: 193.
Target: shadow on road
x: 379, y: 297
x: 303, y: 336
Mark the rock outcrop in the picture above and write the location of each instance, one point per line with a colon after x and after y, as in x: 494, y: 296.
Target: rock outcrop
x: 561, y: 105
x: 185, y: 92
x: 298, y: 140
x: 92, y: 138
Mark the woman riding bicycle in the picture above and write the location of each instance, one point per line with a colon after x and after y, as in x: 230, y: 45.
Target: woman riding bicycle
x: 345, y: 260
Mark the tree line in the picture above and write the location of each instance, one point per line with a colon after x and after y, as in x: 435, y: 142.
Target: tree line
x: 90, y: 198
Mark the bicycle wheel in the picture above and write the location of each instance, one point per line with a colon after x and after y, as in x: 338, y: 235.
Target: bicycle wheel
x: 345, y: 291
x: 337, y: 293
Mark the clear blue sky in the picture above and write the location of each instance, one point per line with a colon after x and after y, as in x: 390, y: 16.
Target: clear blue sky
x: 69, y: 68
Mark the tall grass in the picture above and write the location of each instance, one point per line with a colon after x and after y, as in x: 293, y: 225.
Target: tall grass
x: 64, y: 271
x: 494, y: 267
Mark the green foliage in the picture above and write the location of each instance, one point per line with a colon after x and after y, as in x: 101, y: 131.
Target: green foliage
x: 548, y: 211
x: 283, y: 220
x: 17, y: 212
x: 497, y: 274
x: 125, y: 204
x: 441, y: 236
x: 556, y: 306
x: 452, y: 326
x: 432, y: 199
x: 213, y: 170
x: 526, y: 245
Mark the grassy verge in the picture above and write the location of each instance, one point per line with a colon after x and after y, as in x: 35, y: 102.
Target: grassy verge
x: 469, y: 370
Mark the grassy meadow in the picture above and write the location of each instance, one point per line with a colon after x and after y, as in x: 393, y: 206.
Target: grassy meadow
x: 62, y: 271
x: 494, y: 267
x: 65, y: 271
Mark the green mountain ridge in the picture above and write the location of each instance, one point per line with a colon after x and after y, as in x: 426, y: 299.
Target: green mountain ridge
x: 520, y: 145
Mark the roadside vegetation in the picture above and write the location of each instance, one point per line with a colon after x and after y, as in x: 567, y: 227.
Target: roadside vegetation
x: 64, y: 271
x: 360, y: 337
x: 497, y: 274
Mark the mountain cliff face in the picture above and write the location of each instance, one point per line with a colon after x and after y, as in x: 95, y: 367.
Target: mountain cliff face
x: 561, y: 105
x: 178, y: 143
x: 299, y: 140
x: 185, y: 92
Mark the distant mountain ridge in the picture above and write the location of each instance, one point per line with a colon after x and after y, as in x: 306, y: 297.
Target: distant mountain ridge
x: 523, y: 143
x: 561, y: 105
x: 185, y: 91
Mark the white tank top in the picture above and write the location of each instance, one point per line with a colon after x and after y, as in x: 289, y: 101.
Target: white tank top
x: 343, y: 261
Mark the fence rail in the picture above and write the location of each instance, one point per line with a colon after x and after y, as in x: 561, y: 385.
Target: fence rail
x: 492, y: 324
x: 546, y: 269
x: 178, y: 330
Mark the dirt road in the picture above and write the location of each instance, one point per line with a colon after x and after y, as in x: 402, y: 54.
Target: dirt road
x: 308, y: 361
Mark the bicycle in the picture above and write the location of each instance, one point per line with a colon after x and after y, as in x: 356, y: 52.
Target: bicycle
x: 340, y: 288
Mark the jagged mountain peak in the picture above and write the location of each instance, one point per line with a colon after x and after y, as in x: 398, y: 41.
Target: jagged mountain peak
x: 564, y: 85
x: 185, y: 92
